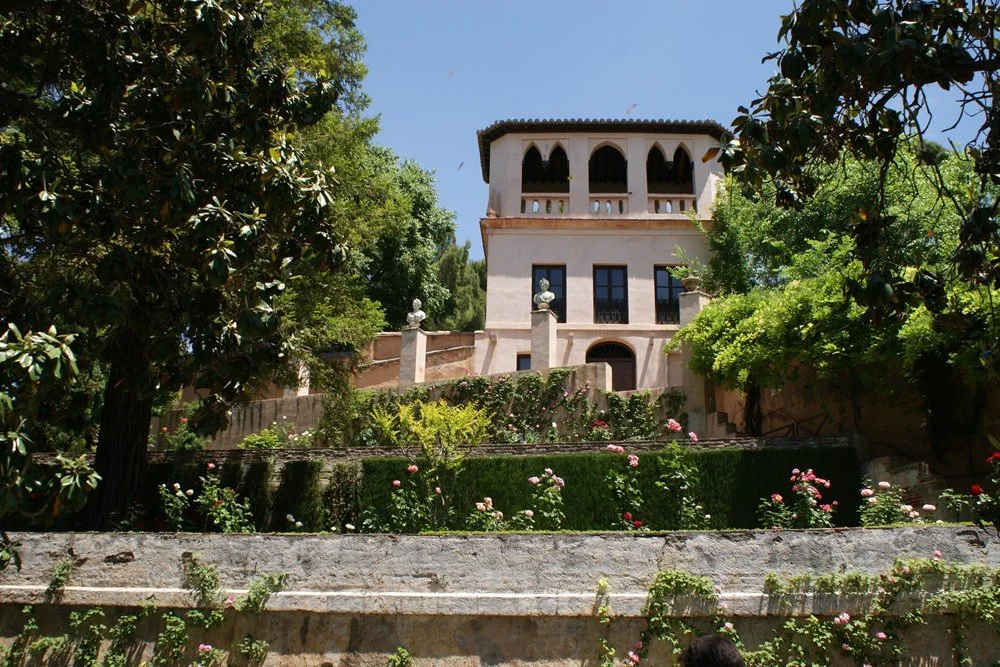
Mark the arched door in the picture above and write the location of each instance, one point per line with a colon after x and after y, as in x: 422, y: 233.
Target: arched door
x: 622, y: 362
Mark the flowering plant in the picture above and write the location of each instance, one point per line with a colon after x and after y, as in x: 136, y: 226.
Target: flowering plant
x: 547, y: 502
x: 624, y: 487
x: 804, y: 508
x: 882, y: 504
x: 413, y: 507
x: 982, y: 505
x: 599, y: 431
x: 678, y: 483
x: 220, y: 508
x: 485, y: 518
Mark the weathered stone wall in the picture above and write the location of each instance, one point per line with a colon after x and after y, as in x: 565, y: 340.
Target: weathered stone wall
x: 477, y: 599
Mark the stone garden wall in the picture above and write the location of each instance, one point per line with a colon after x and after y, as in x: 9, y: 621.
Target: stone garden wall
x: 508, y: 599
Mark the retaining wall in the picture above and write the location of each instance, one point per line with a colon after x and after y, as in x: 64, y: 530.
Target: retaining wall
x: 478, y: 599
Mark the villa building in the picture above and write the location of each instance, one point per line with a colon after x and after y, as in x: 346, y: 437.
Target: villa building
x: 599, y: 208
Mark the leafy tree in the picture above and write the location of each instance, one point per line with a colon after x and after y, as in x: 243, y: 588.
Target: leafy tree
x: 28, y: 363
x: 401, y: 265
x: 465, y: 307
x: 150, y: 194
x: 854, y: 77
x: 783, y: 274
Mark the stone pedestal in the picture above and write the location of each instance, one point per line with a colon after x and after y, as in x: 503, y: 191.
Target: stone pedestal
x: 412, y: 357
x: 695, y: 388
x: 543, y: 340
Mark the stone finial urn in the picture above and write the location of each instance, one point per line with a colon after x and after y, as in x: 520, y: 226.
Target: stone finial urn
x: 691, y: 283
x: 544, y: 297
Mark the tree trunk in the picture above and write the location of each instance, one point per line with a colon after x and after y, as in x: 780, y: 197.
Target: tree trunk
x: 753, y: 419
x: 123, y: 440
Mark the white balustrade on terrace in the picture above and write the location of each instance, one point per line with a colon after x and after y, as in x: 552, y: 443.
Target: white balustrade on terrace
x: 604, y: 205
x: 672, y: 204
x: 544, y: 204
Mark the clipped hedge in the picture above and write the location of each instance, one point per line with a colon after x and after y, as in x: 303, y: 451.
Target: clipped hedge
x: 730, y: 486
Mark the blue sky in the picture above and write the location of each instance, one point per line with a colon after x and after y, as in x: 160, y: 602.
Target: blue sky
x: 439, y: 71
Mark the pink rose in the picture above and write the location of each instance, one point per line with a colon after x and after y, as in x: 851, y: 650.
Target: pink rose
x: 211, y: 466
x: 230, y: 601
x: 437, y: 490
x: 534, y: 480
x: 396, y: 483
x: 204, y: 648
x: 867, y: 493
x: 633, y: 657
x: 673, y: 425
x: 693, y: 437
x: 884, y: 485
x: 412, y: 468
x: 880, y: 636
x: 776, y: 497
x: 633, y: 461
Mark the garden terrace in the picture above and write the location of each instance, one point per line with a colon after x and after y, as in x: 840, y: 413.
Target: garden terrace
x: 510, y: 599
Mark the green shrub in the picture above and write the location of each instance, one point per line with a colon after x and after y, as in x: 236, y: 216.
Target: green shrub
x: 299, y: 496
x: 340, y: 499
x: 730, y: 483
x: 256, y: 487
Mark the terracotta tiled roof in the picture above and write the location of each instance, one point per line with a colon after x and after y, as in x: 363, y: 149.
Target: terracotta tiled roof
x: 501, y: 127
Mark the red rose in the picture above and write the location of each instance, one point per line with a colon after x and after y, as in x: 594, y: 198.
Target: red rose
x: 637, y: 523
x: 628, y: 516
x: 976, y: 489
x: 993, y: 458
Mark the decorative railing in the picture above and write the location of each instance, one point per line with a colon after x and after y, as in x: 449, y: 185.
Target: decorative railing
x: 610, y: 312
x: 668, y: 312
x: 672, y: 204
x: 544, y: 204
x: 609, y: 205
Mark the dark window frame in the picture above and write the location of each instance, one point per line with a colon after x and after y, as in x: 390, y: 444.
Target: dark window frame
x: 560, y: 303
x: 606, y: 311
x: 521, y: 357
x: 668, y: 311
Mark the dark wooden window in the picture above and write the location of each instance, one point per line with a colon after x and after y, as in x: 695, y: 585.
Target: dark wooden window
x: 556, y: 275
x: 668, y: 289
x: 610, y: 295
x: 524, y: 362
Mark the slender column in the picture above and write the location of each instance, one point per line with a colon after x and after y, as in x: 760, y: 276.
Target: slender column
x: 691, y: 303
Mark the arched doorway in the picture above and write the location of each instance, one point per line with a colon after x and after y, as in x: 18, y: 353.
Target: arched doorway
x: 622, y: 362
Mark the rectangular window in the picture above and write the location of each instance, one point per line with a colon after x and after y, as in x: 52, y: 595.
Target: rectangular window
x: 610, y: 295
x: 556, y: 275
x: 668, y: 288
x: 524, y: 362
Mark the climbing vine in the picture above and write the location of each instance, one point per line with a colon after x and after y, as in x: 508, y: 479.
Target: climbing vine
x: 681, y: 606
x: 174, y: 645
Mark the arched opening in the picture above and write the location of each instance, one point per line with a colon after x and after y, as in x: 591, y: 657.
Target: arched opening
x: 608, y: 171
x: 657, y: 174
x: 550, y: 176
x: 622, y: 362
x: 682, y: 172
